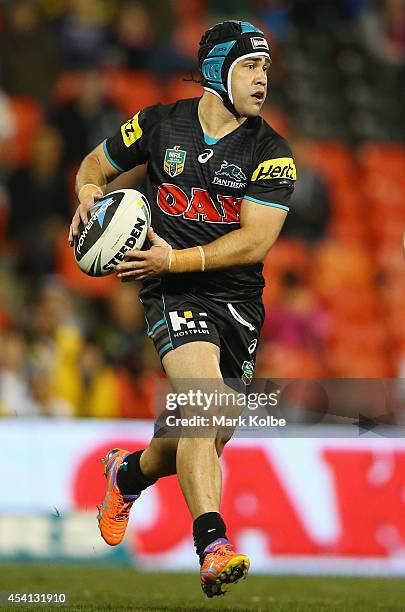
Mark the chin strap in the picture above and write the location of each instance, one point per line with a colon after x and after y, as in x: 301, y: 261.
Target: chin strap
x: 228, y: 104
x: 225, y: 100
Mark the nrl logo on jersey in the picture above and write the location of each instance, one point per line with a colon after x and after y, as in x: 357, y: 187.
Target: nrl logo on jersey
x: 174, y: 161
x: 230, y: 175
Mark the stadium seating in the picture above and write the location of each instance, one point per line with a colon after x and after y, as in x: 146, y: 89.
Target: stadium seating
x: 74, y: 278
x: 67, y: 87
x: 178, y: 88
x: 132, y: 91
x: 29, y: 117
x: 276, y: 361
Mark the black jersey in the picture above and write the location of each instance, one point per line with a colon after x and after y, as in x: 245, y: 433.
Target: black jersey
x: 195, y: 186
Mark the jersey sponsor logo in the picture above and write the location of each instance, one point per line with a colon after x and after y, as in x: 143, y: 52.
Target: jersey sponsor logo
x: 188, y: 324
x: 205, y: 156
x: 259, y: 42
x: 278, y: 168
x: 247, y: 371
x: 173, y: 201
x: 131, y: 131
x: 174, y: 161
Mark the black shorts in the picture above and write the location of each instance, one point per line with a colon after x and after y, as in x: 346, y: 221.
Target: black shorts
x: 176, y: 319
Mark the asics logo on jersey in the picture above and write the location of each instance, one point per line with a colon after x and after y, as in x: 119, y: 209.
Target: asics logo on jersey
x: 173, y: 201
x: 204, y: 157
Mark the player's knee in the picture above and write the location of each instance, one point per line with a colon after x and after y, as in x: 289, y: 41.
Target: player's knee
x: 163, y: 447
x: 220, y: 442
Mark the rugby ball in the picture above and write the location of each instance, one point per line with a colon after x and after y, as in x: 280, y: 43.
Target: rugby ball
x: 117, y: 223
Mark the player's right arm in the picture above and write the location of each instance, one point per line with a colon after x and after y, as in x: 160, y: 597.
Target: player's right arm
x: 94, y: 174
x: 125, y: 150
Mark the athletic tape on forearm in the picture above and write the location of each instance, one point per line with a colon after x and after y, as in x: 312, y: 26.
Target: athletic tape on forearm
x: 96, y: 188
x: 187, y: 260
x: 202, y: 253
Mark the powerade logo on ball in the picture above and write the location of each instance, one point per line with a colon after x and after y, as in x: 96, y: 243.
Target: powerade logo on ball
x: 129, y: 244
x: 102, y: 212
x: 83, y: 235
x: 99, y: 216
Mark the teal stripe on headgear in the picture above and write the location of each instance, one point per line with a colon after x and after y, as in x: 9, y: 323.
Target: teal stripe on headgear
x: 211, y: 68
x: 245, y: 26
x: 249, y: 27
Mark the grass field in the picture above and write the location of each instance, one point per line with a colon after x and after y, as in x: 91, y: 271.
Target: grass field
x: 123, y: 589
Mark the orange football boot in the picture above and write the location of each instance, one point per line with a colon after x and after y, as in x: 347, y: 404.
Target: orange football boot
x: 113, y: 515
x: 221, y: 567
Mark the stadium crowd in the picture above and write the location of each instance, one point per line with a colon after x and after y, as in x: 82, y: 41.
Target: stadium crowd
x: 72, y: 70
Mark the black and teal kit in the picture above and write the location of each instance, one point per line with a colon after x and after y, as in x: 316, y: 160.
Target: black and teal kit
x: 195, y: 187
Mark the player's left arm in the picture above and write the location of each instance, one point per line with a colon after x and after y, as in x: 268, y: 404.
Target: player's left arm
x: 260, y: 226
x: 262, y: 214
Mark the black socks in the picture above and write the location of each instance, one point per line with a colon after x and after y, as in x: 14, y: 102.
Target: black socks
x: 130, y: 479
x: 207, y: 528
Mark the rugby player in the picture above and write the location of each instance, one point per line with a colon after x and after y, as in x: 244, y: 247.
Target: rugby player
x: 218, y: 181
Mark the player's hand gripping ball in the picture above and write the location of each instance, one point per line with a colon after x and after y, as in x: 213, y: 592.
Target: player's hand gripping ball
x: 138, y: 265
x: 118, y: 223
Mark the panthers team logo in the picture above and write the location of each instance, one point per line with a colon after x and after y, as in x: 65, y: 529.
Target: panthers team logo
x: 232, y: 171
x: 230, y: 175
x: 174, y: 161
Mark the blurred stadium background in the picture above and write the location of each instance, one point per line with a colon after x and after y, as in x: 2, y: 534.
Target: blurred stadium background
x: 76, y: 371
